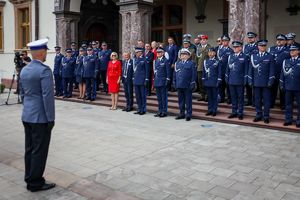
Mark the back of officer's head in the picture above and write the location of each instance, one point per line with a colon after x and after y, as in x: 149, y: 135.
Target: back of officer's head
x: 40, y: 54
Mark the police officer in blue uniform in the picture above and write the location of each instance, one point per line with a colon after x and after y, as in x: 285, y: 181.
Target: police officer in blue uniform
x: 261, y: 77
x: 223, y: 54
x: 68, y: 67
x: 172, y: 51
x: 280, y: 53
x: 141, y: 72
x: 249, y: 49
x: 79, y: 72
x: 290, y: 83
x: 185, y: 75
x: 211, y: 78
x: 104, y: 57
x: 127, y: 76
x: 90, y: 71
x: 57, y: 72
x: 38, y: 116
x: 162, y: 71
x: 149, y: 56
x: 236, y: 78
x: 75, y: 52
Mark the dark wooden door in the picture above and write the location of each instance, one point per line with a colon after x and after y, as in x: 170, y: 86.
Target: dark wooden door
x: 97, y: 32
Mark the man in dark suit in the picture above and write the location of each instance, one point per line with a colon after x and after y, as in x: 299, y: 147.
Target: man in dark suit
x: 127, y: 75
x: 37, y: 93
x: 149, y: 56
x: 172, y: 51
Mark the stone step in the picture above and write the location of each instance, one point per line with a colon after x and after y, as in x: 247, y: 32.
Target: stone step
x: 198, y: 112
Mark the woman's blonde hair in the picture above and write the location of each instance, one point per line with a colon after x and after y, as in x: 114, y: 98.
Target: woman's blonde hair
x: 114, y: 53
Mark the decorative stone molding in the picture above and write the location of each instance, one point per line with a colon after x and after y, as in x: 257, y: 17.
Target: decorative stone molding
x: 19, y: 1
x: 66, y: 28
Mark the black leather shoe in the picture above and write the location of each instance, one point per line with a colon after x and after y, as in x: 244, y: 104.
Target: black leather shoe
x: 287, y: 123
x: 241, y: 117
x: 298, y: 125
x: 179, y: 117
x: 187, y: 119
x: 257, y: 119
x: 142, y: 113
x: 136, y: 113
x: 232, y: 116
x: 46, y: 186
x: 208, y: 113
x: 266, y: 121
x: 157, y: 115
x: 129, y: 110
x: 163, y: 115
x: 92, y: 99
x: 214, y: 114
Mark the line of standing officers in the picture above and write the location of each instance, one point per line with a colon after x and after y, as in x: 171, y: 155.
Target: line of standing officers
x: 217, y: 73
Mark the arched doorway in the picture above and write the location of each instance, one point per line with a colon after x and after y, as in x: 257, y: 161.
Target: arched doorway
x: 99, y: 20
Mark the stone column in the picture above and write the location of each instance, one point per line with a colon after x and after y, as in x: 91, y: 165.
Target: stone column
x: 136, y: 22
x: 66, y: 28
x: 252, y: 19
x: 236, y: 19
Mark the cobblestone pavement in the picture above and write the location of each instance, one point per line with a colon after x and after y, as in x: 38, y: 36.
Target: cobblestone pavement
x: 100, y: 154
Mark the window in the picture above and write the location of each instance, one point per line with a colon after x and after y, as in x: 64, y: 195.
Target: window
x: 168, y: 20
x: 23, y: 27
x: 22, y: 23
x: 1, y: 29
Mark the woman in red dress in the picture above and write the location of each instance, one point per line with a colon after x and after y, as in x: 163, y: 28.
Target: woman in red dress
x: 113, y: 79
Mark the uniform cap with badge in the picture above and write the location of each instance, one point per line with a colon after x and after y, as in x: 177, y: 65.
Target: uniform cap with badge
x: 289, y: 36
x: 185, y: 51
x: 38, y: 44
x: 237, y: 44
x: 280, y: 37
x: 211, y: 49
x: 225, y: 38
x: 68, y: 50
x: 262, y: 42
x: 294, y: 48
x: 138, y: 49
x: 186, y: 41
x: 251, y: 34
x: 203, y: 37
x: 160, y: 50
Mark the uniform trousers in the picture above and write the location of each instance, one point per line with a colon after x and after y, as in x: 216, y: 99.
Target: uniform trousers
x: 262, y: 96
x: 37, y: 140
x: 68, y: 86
x: 237, y: 99
x: 212, y: 99
x: 103, y: 79
x: 290, y: 95
x: 162, y: 98
x: 140, y: 95
x: 58, y: 84
x: 185, y: 101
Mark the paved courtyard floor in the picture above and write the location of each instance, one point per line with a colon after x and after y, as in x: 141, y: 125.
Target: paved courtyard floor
x: 100, y: 154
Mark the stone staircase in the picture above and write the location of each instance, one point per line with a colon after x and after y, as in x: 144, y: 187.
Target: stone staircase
x: 199, y: 110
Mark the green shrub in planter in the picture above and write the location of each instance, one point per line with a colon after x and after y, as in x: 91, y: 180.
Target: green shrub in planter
x: 2, y: 87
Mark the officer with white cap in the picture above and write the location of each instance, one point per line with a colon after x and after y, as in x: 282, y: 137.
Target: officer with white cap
x: 185, y: 75
x: 37, y: 93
